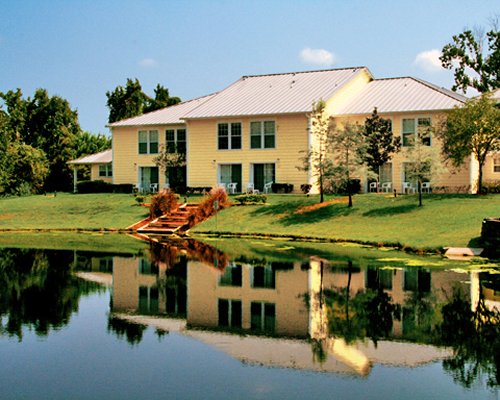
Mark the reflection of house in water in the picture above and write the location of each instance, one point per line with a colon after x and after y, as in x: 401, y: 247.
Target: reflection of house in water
x: 280, y: 299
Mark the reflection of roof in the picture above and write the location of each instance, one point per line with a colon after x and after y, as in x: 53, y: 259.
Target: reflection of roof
x: 355, y: 358
x: 400, y: 95
x: 104, y: 157
x: 166, y: 116
x: 275, y: 93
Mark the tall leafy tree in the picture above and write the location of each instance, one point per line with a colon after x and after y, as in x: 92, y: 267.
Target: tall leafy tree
x: 88, y: 143
x: 473, y: 129
x: 423, y: 161
x: 475, y: 59
x: 380, y: 143
x: 162, y: 99
x: 317, y: 160
x: 346, y: 142
x: 131, y: 101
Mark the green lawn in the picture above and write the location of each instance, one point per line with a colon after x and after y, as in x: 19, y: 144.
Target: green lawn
x: 443, y: 220
x: 70, y: 211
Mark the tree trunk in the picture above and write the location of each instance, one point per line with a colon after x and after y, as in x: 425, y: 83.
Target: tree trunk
x: 419, y: 186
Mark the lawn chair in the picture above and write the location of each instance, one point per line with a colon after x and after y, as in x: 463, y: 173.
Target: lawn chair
x: 251, y: 189
x: 231, y: 187
x: 408, y: 188
x: 373, y: 187
x: 426, y: 187
x: 386, y: 187
x: 268, y: 186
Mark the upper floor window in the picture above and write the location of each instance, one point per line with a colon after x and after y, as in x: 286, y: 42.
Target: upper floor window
x: 413, y: 127
x: 229, y: 136
x: 105, y: 170
x: 148, y: 142
x: 175, y: 140
x: 262, y: 135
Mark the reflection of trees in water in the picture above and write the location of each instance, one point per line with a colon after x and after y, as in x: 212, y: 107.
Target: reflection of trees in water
x: 123, y: 329
x: 38, y: 290
x: 473, y: 335
x: 475, y: 339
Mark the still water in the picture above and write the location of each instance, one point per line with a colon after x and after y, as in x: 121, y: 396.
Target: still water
x: 246, y: 320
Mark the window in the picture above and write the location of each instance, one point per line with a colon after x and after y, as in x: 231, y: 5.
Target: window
x: 105, y: 170
x: 232, y: 276
x: 175, y: 140
x: 263, y: 316
x: 496, y: 164
x: 262, y: 135
x: 148, y: 300
x: 414, y: 126
x: 148, y: 142
x: 263, y: 277
x: 229, y: 136
x: 230, y: 313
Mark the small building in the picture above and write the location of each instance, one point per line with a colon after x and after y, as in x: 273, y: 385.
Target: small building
x: 101, y: 166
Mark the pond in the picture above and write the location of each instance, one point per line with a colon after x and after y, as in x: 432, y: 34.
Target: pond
x: 247, y: 319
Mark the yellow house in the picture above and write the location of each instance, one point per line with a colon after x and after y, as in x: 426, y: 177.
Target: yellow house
x: 257, y: 130
x: 101, y: 166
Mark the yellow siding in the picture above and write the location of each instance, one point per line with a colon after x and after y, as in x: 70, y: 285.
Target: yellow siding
x: 489, y: 173
x: 348, y: 91
x: 204, y: 157
x: 126, y: 157
x: 452, y: 178
x: 94, y: 174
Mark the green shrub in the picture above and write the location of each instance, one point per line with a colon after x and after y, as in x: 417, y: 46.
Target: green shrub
x: 139, y: 198
x: 251, y: 198
x: 491, y: 187
x: 94, y: 187
x: 305, y: 188
x: 282, y: 188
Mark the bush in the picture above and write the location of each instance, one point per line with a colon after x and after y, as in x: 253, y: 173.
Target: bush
x: 305, y: 188
x: 491, y: 187
x: 164, y: 202
x: 139, y: 198
x: 123, y: 188
x: 94, y: 187
x: 207, y: 207
x: 341, y: 188
x: 251, y: 198
x: 282, y: 187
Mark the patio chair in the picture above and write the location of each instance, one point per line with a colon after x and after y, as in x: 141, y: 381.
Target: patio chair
x: 386, y: 187
x: 408, y: 188
x: 373, y: 187
x: 426, y: 187
x: 153, y: 187
x: 221, y: 185
x: 268, y: 186
x: 231, y: 187
x: 251, y: 189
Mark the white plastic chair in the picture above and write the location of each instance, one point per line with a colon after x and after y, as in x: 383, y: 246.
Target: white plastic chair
x: 386, y: 187
x: 221, y: 185
x: 373, y: 187
x: 153, y: 187
x: 426, y: 187
x: 408, y: 188
x: 268, y: 186
x: 251, y: 189
x: 231, y: 187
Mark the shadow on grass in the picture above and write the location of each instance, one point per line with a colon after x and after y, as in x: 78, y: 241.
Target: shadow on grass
x: 288, y: 214
x: 475, y: 242
x: 388, y: 211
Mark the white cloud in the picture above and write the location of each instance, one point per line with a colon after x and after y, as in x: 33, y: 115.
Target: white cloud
x: 320, y: 57
x: 148, y: 63
x: 429, y: 60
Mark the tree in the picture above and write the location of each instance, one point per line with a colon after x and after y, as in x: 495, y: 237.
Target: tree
x: 162, y: 99
x: 473, y: 129
x: 347, y: 144
x: 88, y: 143
x: 467, y: 53
x: 380, y: 143
x: 424, y: 162
x: 130, y: 101
x: 317, y: 161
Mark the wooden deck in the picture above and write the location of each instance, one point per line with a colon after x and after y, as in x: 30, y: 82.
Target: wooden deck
x: 176, y: 222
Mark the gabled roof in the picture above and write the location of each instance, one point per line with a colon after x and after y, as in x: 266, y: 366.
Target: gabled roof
x: 104, y: 157
x: 166, y: 116
x: 401, y: 95
x: 275, y: 94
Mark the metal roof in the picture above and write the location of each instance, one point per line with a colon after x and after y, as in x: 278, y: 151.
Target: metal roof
x: 401, y: 95
x: 275, y: 94
x: 104, y: 157
x: 166, y: 116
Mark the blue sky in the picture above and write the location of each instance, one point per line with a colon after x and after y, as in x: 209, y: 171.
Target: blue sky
x: 81, y: 49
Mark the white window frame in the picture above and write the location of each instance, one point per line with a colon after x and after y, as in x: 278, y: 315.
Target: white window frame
x: 229, y: 135
x: 415, y: 132
x: 262, y: 135
x: 108, y: 172
x: 496, y: 164
x: 148, y: 141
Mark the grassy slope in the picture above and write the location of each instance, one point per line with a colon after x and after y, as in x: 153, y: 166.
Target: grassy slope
x: 67, y: 211
x: 444, y: 220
